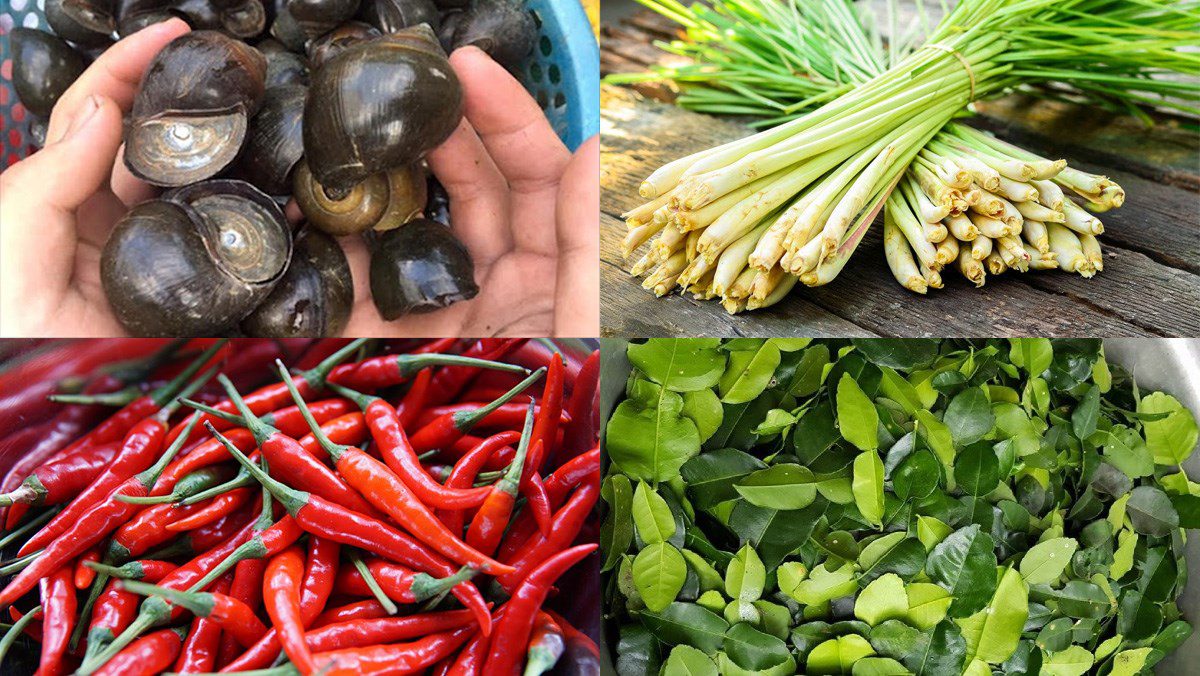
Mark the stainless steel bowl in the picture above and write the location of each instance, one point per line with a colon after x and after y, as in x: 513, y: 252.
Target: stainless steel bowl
x: 1168, y: 364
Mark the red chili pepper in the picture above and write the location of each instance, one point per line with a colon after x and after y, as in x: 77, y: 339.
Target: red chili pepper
x: 63, y: 359
x: 116, y: 607
x: 402, y: 459
x: 147, y: 656
x: 199, y: 652
x: 354, y: 629
x: 206, y: 454
x: 217, y: 507
x: 581, y: 431
x: 235, y: 617
x: 487, y: 527
x: 247, y: 588
x: 359, y: 610
x: 83, y: 575
x: 392, y: 369
x: 319, y: 576
x: 281, y: 592
x: 440, y: 345
x: 376, y: 482
x: 449, y: 381
x: 399, y: 658
x: 318, y: 351
x: 567, y: 523
x: 349, y: 429
x: 509, y: 416
x: 470, y: 660
x: 58, y: 618
x: 62, y: 478
x: 513, y: 629
x: 414, y: 400
x: 468, y: 467
x: 397, y: 582
x: 446, y: 429
x: 287, y: 420
x: 106, y: 515
x: 546, y: 645
x: 558, y: 485
x: 582, y: 651
x: 321, y: 517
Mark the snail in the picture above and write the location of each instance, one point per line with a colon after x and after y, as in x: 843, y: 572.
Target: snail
x: 196, y: 261
x: 87, y: 23
x: 315, y: 296
x: 420, y: 267
x: 190, y: 115
x: 502, y: 28
x: 241, y: 18
x: 302, y: 20
x: 337, y: 40
x: 284, y: 67
x: 389, y: 16
x: 437, y: 204
x: 134, y: 15
x: 43, y: 66
x: 380, y: 104
x: 383, y: 201
x: 274, y: 142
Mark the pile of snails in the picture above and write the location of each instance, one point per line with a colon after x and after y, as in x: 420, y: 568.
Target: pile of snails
x: 335, y: 104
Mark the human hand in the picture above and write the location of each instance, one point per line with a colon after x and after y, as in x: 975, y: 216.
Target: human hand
x: 527, y: 211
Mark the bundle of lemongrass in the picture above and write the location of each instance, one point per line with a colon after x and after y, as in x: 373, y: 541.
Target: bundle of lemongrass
x: 972, y: 201
x: 748, y: 220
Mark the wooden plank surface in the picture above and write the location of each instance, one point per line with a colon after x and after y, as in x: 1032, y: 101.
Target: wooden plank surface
x: 1150, y: 285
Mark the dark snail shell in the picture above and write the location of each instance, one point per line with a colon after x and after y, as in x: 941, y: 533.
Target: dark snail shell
x: 284, y: 67
x: 88, y: 23
x: 43, y: 66
x: 241, y: 18
x: 502, y: 28
x: 275, y: 141
x: 190, y: 115
x: 420, y: 267
x: 338, y: 40
x: 390, y: 16
x: 38, y: 127
x: 437, y: 204
x: 196, y: 261
x: 380, y: 104
x: 134, y: 15
x: 304, y: 20
x: 313, y: 299
x: 382, y: 201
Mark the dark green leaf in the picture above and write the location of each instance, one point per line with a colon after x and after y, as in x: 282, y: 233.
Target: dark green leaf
x: 904, y: 556
x: 965, y: 564
x: 917, y: 476
x: 946, y: 652
x: 1188, y: 508
x: 687, y: 623
x: 977, y: 469
x: 637, y: 652
x: 807, y: 378
x: 1151, y: 512
x: 969, y: 416
x: 752, y: 649
x: 781, y: 487
x: 616, y: 535
x: 1085, y: 415
x: 1138, y: 617
x: 898, y: 353
x: 774, y: 533
x: 680, y: 364
x: 710, y: 476
x: 1081, y: 599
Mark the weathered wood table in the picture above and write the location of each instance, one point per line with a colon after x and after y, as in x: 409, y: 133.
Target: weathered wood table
x: 1151, y: 279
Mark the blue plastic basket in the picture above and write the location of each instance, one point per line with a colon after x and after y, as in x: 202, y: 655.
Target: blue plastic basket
x: 563, y: 73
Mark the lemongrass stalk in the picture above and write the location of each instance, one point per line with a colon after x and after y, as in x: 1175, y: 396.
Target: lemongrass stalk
x: 1038, y: 212
x: 934, y: 187
x: 1034, y: 232
x: 765, y: 282
x: 832, y: 266
x: 987, y: 204
x: 1081, y: 221
x: 961, y: 227
x: 1042, y: 168
x: 662, y: 280
x: 1049, y: 194
x: 695, y: 219
x: 981, y: 247
x: 900, y: 256
x: 661, y: 215
x: 1005, y: 166
x: 1009, y: 214
x: 988, y: 227
x: 955, y: 176
x: 777, y: 294
x: 971, y: 268
x: 1065, y: 246
x: 641, y: 265
x: 701, y: 289
x: 1014, y: 253
x: 947, y: 251
x: 986, y: 176
x: 864, y: 186
x: 934, y: 232
x: 933, y: 279
x: 643, y: 213
x: 1016, y: 191
x: 741, y: 287
x: 1039, y: 260
x: 689, y: 244
x: 995, y: 263
x: 669, y: 241
x: 735, y: 258
x: 734, y: 305
x: 635, y: 238
x: 771, y: 246
x: 903, y: 219
x: 1091, y: 249
x: 920, y: 202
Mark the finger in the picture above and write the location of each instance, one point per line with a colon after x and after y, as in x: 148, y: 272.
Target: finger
x: 42, y: 194
x: 479, y: 202
x: 116, y: 74
x: 128, y: 188
x: 577, y: 293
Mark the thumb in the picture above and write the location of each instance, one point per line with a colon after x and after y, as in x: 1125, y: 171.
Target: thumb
x: 40, y: 197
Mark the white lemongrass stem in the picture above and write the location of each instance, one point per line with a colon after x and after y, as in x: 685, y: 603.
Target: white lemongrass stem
x: 935, y: 232
x: 1093, y: 187
x: 1091, y: 249
x: 641, y: 265
x: 986, y: 176
x: 961, y: 227
x: 689, y: 244
x: 706, y: 215
x: 934, y: 187
x: 981, y: 247
x: 1038, y: 212
x: 696, y: 269
x: 988, y: 227
x: 971, y: 269
x: 662, y: 280
x: 1014, y: 252
x: 644, y: 212
x: 1006, y: 167
x: 1049, y: 194
x: 735, y: 258
x: 662, y: 215
x: 1081, y: 221
x: 1042, y: 168
x: 1064, y: 243
x: 635, y: 238
x: 777, y: 294
x: 1016, y: 191
x: 1035, y: 233
x: 987, y: 204
x: 1041, y: 261
x: 995, y: 263
x: 904, y: 220
x: 670, y: 241
x: 920, y: 202
x: 855, y: 199
x: 765, y: 282
x: 947, y: 251
x: 900, y: 257
x: 829, y: 268
x: 740, y: 288
x: 933, y: 279
x: 1010, y: 215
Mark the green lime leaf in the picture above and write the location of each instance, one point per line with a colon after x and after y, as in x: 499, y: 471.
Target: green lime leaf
x: 1172, y: 438
x: 783, y: 487
x: 707, y: 575
x: 651, y: 515
x: 917, y: 476
x: 992, y: 633
x: 883, y: 599
x: 703, y: 407
x: 879, y: 666
x: 754, y: 650
x: 977, y: 469
x: 659, y: 572
x: 710, y: 477
x: 946, y: 652
x: 651, y: 442
x: 688, y: 661
x: 857, y: 418
x: 927, y: 604
x: 1129, y: 662
x: 748, y: 373
x: 1126, y: 450
x: 616, y: 534
x: 896, y: 388
x: 837, y: 655
x: 904, y: 354
x: 1151, y: 512
x: 1074, y: 661
x: 823, y: 585
x: 1046, y: 561
x: 1085, y: 415
x: 969, y: 416
x: 745, y: 576
x: 1032, y: 354
x: 687, y: 623
x: 868, y: 486
x: 679, y: 364
x: 965, y: 564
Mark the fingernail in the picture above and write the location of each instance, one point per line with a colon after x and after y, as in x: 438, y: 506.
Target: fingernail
x: 86, y: 112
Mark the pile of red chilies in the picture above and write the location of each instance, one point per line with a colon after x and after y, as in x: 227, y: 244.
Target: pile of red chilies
x: 373, y: 508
